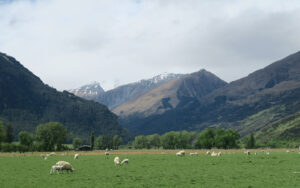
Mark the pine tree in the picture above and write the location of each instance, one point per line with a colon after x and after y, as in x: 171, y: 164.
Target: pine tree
x: 9, y: 135
x: 92, y: 140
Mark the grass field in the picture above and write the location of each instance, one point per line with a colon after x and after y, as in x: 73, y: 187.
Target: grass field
x: 154, y: 169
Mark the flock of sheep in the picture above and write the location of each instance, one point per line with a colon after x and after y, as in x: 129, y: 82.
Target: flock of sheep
x: 62, y: 166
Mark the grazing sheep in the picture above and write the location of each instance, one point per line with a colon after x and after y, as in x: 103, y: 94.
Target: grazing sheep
x: 191, y: 154
x: 43, y: 155
x: 220, y: 153
x: 255, y: 153
x: 268, y: 153
x: 247, y: 152
x: 180, y: 153
x: 214, y: 154
x: 52, y: 154
x: 106, y: 154
x: 65, y: 166
x: 208, y: 153
x: 56, y: 168
x: 76, y: 156
x: 117, y: 161
x: 125, y: 161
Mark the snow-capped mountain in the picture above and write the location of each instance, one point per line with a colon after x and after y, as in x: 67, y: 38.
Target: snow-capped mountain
x: 89, y: 91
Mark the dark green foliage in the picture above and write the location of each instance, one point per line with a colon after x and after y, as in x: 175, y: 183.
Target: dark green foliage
x: 9, y: 147
x: 250, y: 141
x: 141, y: 142
x: 117, y: 140
x: 92, y: 140
x: 99, y: 142
x: 77, y: 142
x: 9, y: 133
x: 25, y: 138
x: 206, y: 139
x: 52, y: 135
x: 1, y: 134
x: 26, y: 102
x: 154, y: 140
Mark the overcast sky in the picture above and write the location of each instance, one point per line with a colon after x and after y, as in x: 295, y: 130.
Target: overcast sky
x: 69, y: 43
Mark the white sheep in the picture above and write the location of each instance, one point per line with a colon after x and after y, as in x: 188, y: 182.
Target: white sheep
x: 106, y: 154
x: 76, y: 156
x: 208, y: 153
x: 66, y: 166
x: 117, y: 161
x: 180, y: 153
x: 268, y: 153
x: 214, y: 154
x: 192, y: 154
x: 43, y: 155
x: 52, y: 154
x: 220, y: 153
x: 247, y: 152
x: 125, y: 161
x: 255, y: 153
x: 56, y: 168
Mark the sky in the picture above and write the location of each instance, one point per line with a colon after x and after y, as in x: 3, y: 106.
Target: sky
x: 70, y: 43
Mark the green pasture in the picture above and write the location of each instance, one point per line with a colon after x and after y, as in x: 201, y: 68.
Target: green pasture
x: 155, y: 170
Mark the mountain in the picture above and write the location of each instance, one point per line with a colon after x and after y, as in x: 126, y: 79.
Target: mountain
x: 169, y: 95
x: 89, y: 91
x: 273, y: 90
x: 136, y: 115
x: 25, y: 101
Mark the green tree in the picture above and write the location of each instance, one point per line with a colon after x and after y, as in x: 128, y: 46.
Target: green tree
x: 206, y: 139
x: 117, y: 140
x: 169, y: 140
x: 51, y: 135
x: 99, y: 142
x: 140, y: 142
x: 92, y: 140
x: 250, y: 142
x: 25, y: 139
x: 9, y: 133
x: 77, y: 142
x: 154, y: 140
x: 1, y: 133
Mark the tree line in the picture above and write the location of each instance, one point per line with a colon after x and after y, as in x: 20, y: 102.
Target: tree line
x: 50, y: 136
x: 207, y: 139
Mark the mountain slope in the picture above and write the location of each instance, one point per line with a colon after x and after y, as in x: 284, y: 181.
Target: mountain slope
x: 169, y: 95
x: 26, y: 101
x: 89, y: 91
x: 128, y: 92
x: 229, y: 107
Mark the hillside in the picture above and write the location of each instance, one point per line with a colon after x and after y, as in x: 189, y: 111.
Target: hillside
x: 26, y: 101
x: 89, y: 91
x: 229, y: 107
x: 170, y: 94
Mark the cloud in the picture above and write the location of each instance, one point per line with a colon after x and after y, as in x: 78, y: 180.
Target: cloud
x: 70, y: 43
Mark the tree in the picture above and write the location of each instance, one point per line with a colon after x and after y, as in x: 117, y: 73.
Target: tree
x: 169, y: 140
x: 9, y: 133
x: 140, y: 142
x: 99, y: 142
x: 25, y: 139
x: 92, y: 140
x: 206, y: 139
x: 250, y: 142
x: 116, y: 141
x: 77, y: 142
x: 154, y: 140
x: 51, y: 135
x: 1, y: 133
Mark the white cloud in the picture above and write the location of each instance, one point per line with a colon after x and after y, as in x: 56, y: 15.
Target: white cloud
x: 72, y: 42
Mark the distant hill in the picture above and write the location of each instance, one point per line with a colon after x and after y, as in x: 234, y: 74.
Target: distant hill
x: 89, y: 91
x: 167, y: 96
x: 129, y: 92
x: 235, y: 105
x: 26, y: 101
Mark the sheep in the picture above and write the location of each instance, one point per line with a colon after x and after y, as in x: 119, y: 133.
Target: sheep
x: 268, y: 153
x: 255, y: 153
x: 76, y: 156
x: 56, y: 168
x: 43, y: 155
x: 214, y: 154
x: 52, y: 154
x: 208, y: 153
x: 247, y: 152
x: 117, y: 161
x: 287, y: 151
x: 66, y: 166
x: 191, y: 154
x: 106, y: 154
x: 180, y: 153
x: 220, y: 153
x: 125, y: 161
